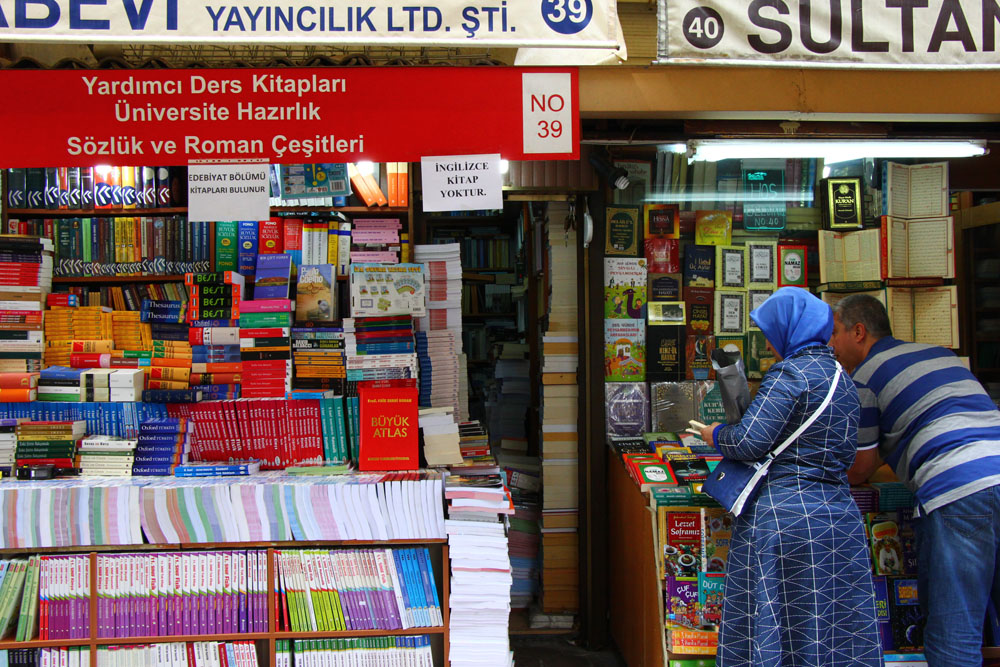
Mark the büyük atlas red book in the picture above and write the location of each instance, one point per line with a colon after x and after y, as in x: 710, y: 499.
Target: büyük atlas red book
x: 389, y: 428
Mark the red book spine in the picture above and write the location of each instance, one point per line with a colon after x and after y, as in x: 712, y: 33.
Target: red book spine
x: 884, y: 244
x: 269, y: 235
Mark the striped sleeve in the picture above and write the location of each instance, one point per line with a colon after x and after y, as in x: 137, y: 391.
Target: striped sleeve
x: 868, y: 424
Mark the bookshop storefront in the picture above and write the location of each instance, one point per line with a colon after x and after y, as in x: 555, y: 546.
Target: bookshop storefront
x: 751, y: 87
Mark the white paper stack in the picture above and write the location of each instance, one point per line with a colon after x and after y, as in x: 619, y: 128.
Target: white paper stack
x: 480, y: 594
x: 439, y: 432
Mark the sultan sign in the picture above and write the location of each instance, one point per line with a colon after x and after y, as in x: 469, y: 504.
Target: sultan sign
x: 309, y: 115
x: 510, y: 23
x: 879, y: 33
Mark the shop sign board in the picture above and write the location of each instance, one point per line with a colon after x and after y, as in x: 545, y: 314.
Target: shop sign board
x: 872, y: 33
x: 228, y: 191
x: 289, y: 116
x: 393, y: 23
x: 461, y: 182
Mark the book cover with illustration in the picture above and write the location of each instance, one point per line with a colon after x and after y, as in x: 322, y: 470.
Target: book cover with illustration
x: 886, y: 546
x: 624, y: 288
x: 710, y: 588
x: 272, y: 276
x: 680, y: 599
x: 316, y: 293
x: 713, y: 227
x: 698, y: 360
x: 387, y: 289
x: 718, y: 531
x: 904, y: 614
x: 682, y: 544
x: 700, y: 305
x: 624, y: 350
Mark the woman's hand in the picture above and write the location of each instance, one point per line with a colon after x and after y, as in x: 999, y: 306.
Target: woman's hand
x: 706, y: 433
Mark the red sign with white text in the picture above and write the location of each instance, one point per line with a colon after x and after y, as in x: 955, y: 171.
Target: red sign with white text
x: 65, y: 118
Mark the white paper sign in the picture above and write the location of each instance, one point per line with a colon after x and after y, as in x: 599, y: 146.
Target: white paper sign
x: 228, y: 191
x: 547, y: 113
x: 461, y: 182
x: 877, y: 33
x: 389, y: 23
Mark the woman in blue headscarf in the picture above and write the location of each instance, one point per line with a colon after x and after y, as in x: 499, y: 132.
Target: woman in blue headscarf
x: 798, y: 583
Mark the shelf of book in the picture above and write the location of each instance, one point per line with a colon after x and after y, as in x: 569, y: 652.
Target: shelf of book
x: 439, y: 562
x: 92, y: 212
x: 117, y: 280
x: 171, y: 210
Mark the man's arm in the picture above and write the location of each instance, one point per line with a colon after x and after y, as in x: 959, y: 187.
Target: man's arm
x: 866, y: 462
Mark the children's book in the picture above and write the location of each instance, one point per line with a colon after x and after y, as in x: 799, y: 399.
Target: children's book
x: 625, y: 293
x: 624, y: 350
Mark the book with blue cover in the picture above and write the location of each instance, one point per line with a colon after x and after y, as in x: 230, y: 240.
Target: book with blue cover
x: 273, y: 275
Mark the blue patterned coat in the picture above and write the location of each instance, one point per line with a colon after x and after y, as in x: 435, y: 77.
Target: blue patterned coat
x: 798, y: 587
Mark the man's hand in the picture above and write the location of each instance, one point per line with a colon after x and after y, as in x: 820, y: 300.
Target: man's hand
x: 866, y: 462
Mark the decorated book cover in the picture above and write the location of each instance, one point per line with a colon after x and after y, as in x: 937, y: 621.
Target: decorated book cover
x: 387, y: 289
x: 388, y: 425
x: 316, y: 293
x: 624, y: 288
x: 625, y: 350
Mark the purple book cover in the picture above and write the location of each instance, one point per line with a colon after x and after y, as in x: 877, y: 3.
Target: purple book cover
x: 261, y: 591
x: 185, y: 594
x: 385, y: 619
x: 226, y: 588
x: 347, y: 596
x: 201, y: 594
x: 241, y: 606
x: 253, y: 588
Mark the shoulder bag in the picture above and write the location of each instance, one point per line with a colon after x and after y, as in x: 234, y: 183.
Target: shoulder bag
x: 734, y: 483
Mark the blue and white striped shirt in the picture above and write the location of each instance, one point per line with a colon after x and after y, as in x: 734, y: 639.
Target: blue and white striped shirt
x: 930, y: 419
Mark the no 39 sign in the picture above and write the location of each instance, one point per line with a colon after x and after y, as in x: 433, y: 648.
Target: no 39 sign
x: 547, y: 113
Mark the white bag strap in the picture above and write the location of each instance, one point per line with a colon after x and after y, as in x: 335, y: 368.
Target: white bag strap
x: 807, y: 423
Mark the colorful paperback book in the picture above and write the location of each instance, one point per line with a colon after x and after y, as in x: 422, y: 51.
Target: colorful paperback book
x: 316, y: 293
x: 272, y: 277
x: 710, y: 588
x: 624, y: 288
x: 680, y: 597
x: 699, y: 266
x: 624, y: 350
x: 713, y: 228
x: 378, y: 290
x: 622, y: 231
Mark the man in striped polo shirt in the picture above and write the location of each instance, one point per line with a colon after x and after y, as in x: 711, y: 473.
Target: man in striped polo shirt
x: 927, y: 416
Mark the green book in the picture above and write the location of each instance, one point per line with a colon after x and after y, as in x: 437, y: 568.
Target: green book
x: 29, y: 602
x: 226, y: 249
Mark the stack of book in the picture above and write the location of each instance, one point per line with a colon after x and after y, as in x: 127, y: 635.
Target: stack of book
x: 18, y: 387
x: 217, y: 469
x: 25, y: 280
x: 480, y: 593
x: 69, y: 331
x: 265, y: 347
x: 162, y: 444
x: 524, y: 536
x: 48, y: 442
x: 376, y: 241
x: 8, y: 445
x: 61, y: 384
x: 439, y: 436
x: 379, y: 348
x: 107, y: 456
x: 319, y: 360
x: 441, y: 350
x: 265, y: 344
x: 212, y: 313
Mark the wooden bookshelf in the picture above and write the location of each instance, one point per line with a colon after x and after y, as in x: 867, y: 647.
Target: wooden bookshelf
x: 438, y: 561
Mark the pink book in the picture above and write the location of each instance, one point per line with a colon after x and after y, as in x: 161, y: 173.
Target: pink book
x: 374, y: 257
x: 377, y: 223
x: 266, y: 306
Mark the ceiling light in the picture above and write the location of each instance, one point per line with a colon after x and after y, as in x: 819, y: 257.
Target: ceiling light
x: 713, y: 150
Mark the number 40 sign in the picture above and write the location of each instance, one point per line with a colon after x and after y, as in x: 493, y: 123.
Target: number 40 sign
x: 547, y: 111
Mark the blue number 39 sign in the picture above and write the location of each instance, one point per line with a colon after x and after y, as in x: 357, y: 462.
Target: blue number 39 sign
x: 567, y: 17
